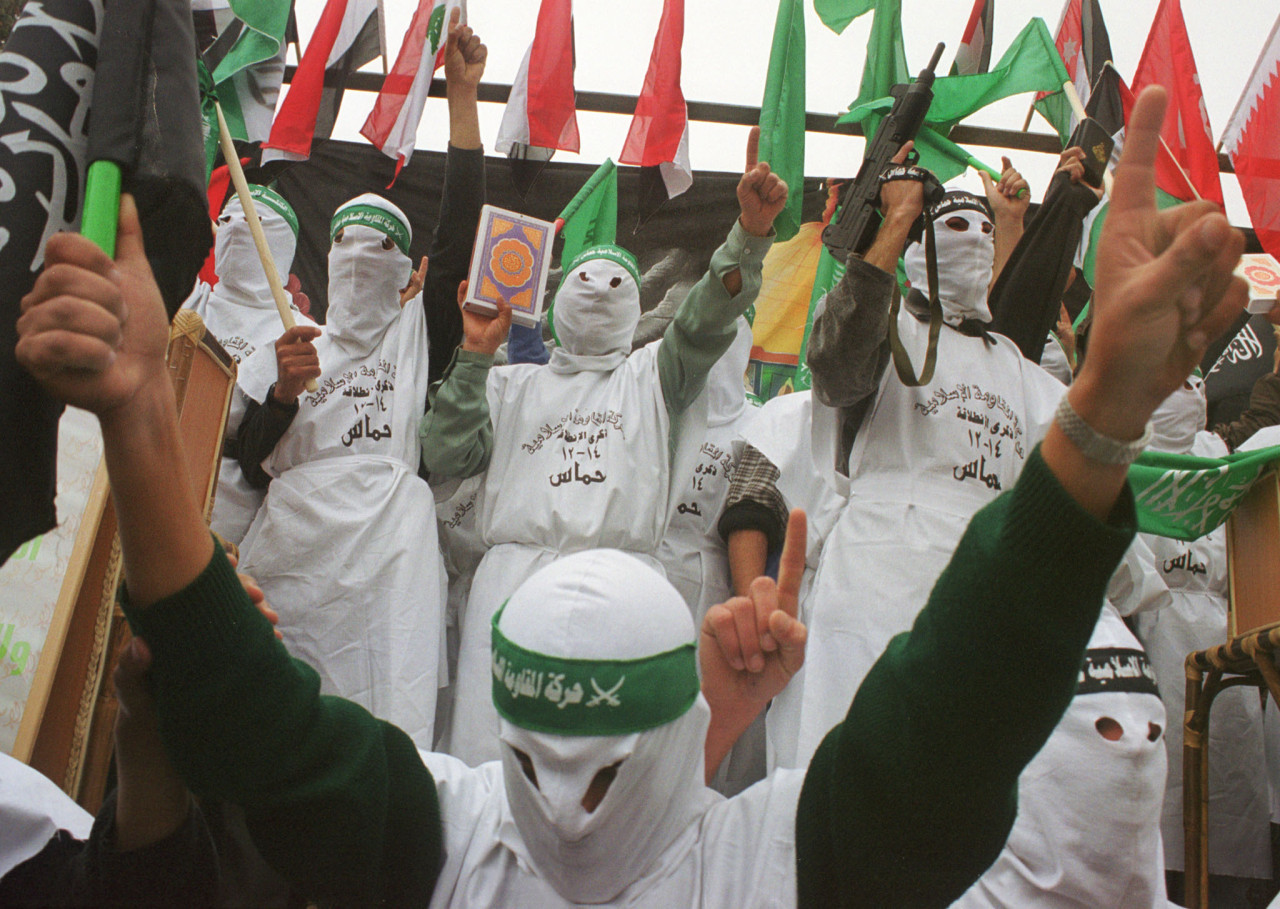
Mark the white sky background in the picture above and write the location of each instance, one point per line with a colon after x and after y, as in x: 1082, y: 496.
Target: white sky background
x: 726, y: 54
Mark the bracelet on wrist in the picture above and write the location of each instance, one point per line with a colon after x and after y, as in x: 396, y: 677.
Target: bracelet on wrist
x: 1094, y: 445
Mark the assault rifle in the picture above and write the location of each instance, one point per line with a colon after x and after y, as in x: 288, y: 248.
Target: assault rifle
x: 854, y: 226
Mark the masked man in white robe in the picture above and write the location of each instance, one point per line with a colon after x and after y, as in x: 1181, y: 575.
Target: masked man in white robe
x: 582, y: 452
x: 913, y: 463
x: 241, y: 312
x: 345, y: 544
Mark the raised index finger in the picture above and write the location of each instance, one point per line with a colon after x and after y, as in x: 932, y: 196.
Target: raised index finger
x: 1134, y: 188
x: 753, y: 148
x: 791, y: 565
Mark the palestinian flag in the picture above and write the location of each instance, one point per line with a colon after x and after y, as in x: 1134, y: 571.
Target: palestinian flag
x: 346, y: 38
x: 392, y: 125
x: 658, y: 139
x: 541, y: 115
x: 246, y: 63
x: 974, y: 53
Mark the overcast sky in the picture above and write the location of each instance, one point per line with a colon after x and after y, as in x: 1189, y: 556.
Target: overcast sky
x: 726, y: 52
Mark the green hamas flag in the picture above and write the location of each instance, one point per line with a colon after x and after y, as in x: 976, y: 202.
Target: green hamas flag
x: 782, y: 112
x: 591, y: 217
x: 1031, y: 63
x: 1185, y: 497
x: 837, y: 14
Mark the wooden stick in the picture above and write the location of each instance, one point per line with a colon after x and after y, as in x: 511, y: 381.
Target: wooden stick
x: 255, y: 227
x: 1026, y: 124
x: 382, y: 35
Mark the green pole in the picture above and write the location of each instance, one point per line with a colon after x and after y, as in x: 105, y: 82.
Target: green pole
x: 101, y: 212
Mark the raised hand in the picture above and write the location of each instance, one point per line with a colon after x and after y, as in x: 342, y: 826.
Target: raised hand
x: 761, y: 193
x: 481, y: 333
x: 296, y: 362
x: 1164, y: 289
x: 416, y: 280
x: 902, y: 199
x: 78, y: 336
x: 464, y: 55
x: 1010, y: 196
x: 751, y: 646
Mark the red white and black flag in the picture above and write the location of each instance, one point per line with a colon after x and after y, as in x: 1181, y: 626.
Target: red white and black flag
x: 541, y: 114
x: 1252, y: 139
x: 347, y: 36
x: 974, y: 53
x: 658, y: 140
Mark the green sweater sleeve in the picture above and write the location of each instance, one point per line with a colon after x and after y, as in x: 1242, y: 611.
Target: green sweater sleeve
x: 703, y: 329
x: 337, y: 801
x: 912, y: 797
x: 456, y: 432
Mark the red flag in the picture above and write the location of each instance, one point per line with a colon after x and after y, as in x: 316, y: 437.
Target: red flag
x: 392, y: 125
x: 1252, y: 139
x: 1167, y: 60
x: 974, y: 53
x: 342, y: 25
x: 659, y: 134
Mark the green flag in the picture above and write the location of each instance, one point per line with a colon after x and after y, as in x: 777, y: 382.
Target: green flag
x: 248, y: 97
x: 1185, y: 497
x: 1031, y: 63
x: 591, y: 217
x: 886, y: 62
x: 837, y: 14
x: 782, y: 112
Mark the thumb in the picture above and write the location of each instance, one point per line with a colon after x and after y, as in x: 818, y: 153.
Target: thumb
x: 462, y: 293
x: 1005, y: 164
x: 791, y: 635
x: 131, y: 254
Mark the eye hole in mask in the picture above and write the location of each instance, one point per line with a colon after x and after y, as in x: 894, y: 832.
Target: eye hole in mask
x: 526, y: 765
x: 224, y: 219
x: 337, y: 238
x: 582, y: 276
x: 599, y: 787
x: 960, y: 225
x: 615, y: 282
x: 387, y: 243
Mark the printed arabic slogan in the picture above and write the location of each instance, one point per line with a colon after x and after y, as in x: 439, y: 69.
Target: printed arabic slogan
x: 1185, y: 497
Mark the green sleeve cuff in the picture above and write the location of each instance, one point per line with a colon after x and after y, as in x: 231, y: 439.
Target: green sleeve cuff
x: 742, y: 249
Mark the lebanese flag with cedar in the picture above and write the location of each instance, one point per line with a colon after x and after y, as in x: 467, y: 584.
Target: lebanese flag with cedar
x: 1252, y: 139
x: 392, y: 125
x: 1167, y: 60
x: 341, y: 24
x: 659, y: 134
x: 541, y: 110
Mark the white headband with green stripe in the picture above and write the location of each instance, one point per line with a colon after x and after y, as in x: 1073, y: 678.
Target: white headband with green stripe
x: 372, y: 216
x: 583, y: 697
x: 276, y: 202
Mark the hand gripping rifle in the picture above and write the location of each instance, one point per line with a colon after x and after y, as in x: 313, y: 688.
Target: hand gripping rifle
x: 853, y: 228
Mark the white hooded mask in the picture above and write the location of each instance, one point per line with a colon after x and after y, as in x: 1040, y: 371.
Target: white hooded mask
x: 598, y: 304
x: 1179, y: 417
x: 236, y: 263
x: 965, y: 255
x: 595, y: 673
x: 368, y: 266
x: 726, y: 390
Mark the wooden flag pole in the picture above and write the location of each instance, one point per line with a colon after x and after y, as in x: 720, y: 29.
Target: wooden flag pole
x: 1026, y: 124
x: 382, y: 35
x: 255, y: 227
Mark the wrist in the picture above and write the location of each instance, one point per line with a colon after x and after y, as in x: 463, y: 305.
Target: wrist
x: 281, y: 397
x: 754, y: 227
x: 151, y: 406
x: 479, y: 347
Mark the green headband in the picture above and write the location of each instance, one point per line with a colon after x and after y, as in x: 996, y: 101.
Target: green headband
x: 566, y: 696
x: 604, y: 251
x: 277, y: 203
x: 378, y: 218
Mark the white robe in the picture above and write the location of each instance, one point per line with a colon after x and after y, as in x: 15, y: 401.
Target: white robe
x: 32, y: 810
x: 923, y: 462
x: 580, y: 461
x: 345, y: 544
x: 241, y: 329
x: 741, y: 852
x: 1195, y: 619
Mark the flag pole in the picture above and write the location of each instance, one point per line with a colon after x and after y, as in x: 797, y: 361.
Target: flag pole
x: 255, y: 227
x: 101, y: 212
x: 382, y: 36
